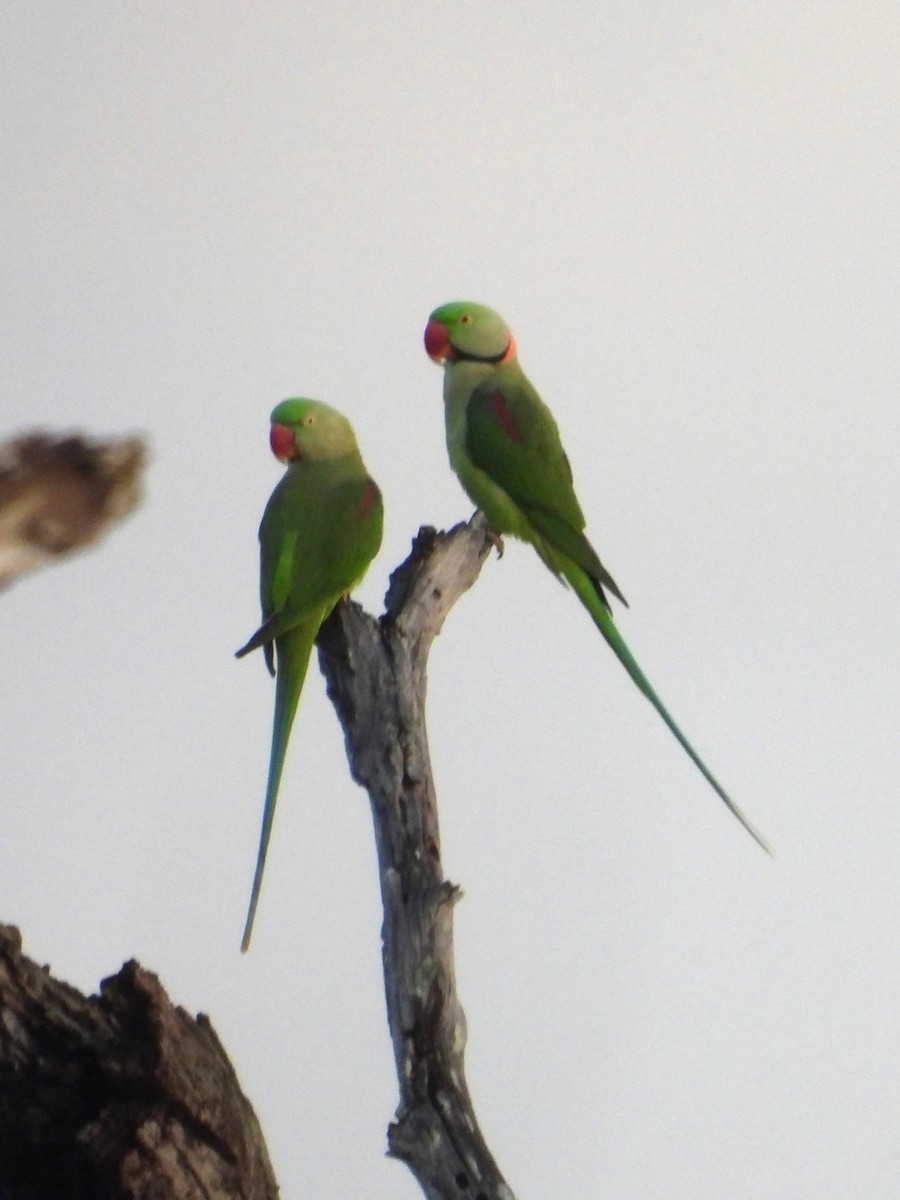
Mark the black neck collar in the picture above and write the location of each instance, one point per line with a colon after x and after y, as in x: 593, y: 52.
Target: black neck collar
x: 462, y: 356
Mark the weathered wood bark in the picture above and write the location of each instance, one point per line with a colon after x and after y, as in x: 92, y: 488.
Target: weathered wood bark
x: 59, y: 494
x: 120, y: 1096
x: 376, y: 680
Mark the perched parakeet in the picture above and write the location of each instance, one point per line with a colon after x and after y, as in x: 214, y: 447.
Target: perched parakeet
x: 505, y: 447
x: 320, y: 531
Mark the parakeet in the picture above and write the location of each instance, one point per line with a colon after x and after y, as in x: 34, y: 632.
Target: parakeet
x: 505, y: 447
x: 319, y: 532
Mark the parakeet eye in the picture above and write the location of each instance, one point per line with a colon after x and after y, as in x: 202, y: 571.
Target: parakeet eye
x: 465, y: 319
x: 309, y: 420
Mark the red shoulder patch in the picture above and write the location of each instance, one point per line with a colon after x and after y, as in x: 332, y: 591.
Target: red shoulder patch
x: 370, y: 498
x: 502, y: 414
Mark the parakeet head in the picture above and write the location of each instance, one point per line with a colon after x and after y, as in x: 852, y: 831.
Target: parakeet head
x: 307, y: 430
x: 465, y: 332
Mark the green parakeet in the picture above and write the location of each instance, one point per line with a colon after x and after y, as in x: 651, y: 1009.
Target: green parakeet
x: 505, y: 447
x: 319, y: 532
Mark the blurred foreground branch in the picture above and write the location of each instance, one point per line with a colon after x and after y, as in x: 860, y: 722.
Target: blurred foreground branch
x: 115, y: 1096
x: 59, y: 494
x: 376, y: 680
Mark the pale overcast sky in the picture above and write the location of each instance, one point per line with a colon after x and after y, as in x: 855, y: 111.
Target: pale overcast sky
x: 689, y: 215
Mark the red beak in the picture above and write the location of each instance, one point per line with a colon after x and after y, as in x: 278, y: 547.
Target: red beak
x: 281, y: 439
x: 437, y: 342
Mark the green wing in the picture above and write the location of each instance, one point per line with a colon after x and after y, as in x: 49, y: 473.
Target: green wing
x: 317, y: 538
x: 511, y: 436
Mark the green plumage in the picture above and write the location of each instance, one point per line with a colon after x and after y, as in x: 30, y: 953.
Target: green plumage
x: 320, y: 530
x: 505, y: 447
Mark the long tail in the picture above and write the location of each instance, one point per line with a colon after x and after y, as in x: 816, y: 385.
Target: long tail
x: 604, y: 622
x: 292, y: 652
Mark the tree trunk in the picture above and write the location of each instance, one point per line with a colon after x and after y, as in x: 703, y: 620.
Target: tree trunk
x: 376, y: 680
x: 117, y: 1095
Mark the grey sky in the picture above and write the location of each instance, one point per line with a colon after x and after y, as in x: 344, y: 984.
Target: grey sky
x: 688, y: 214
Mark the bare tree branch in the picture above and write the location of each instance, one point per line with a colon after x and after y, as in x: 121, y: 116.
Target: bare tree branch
x: 376, y: 680
x: 58, y: 494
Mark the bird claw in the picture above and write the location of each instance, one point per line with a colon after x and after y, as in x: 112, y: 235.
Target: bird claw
x: 479, y: 519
